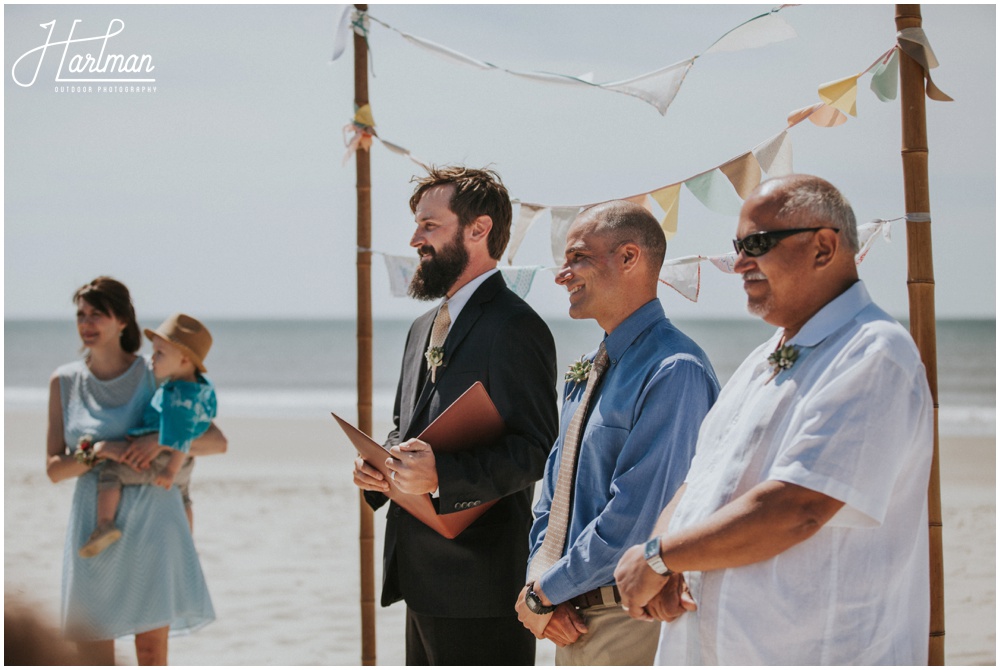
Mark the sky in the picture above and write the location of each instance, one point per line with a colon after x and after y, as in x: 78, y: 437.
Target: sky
x: 223, y: 193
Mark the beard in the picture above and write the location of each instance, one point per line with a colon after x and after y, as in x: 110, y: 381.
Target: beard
x: 434, y: 277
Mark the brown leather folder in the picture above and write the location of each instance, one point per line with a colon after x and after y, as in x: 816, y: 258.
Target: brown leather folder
x: 472, y: 419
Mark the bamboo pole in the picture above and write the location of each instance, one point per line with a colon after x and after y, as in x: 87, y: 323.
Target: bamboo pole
x: 920, y: 286
x: 366, y: 533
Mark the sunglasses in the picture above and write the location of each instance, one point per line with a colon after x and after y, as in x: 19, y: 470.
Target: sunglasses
x: 758, y: 244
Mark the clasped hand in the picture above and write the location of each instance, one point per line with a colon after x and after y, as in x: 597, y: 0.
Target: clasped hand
x: 411, y: 465
x: 138, y: 453
x: 647, y: 595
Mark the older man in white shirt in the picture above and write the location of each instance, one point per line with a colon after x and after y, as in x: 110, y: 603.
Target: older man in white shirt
x: 800, y: 536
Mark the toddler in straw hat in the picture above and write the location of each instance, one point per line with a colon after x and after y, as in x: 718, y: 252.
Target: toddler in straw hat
x: 181, y: 411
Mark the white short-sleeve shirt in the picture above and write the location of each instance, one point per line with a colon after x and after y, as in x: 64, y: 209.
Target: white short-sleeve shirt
x: 851, y: 419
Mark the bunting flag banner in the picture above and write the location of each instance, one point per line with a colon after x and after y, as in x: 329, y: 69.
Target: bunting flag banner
x: 562, y: 218
x: 343, y: 31
x: 715, y: 192
x: 668, y: 199
x: 885, y: 76
x: 659, y: 87
x: 402, y: 151
x: 683, y: 275
x: 914, y: 42
x: 841, y: 94
x: 757, y: 32
x: 821, y: 114
x: 775, y: 155
x: 402, y: 268
x: 526, y: 218
x: 643, y: 200
x: 358, y: 133
x: 743, y: 173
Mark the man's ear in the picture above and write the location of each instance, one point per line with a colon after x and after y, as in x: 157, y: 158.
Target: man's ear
x: 826, y: 245
x: 479, y: 229
x: 629, y: 255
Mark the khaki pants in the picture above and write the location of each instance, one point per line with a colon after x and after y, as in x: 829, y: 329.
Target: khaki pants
x: 613, y: 638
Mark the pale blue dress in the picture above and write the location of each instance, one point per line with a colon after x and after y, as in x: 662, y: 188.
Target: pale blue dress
x: 151, y: 577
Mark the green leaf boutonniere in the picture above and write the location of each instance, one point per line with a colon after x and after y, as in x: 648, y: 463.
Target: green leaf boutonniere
x: 783, y: 358
x: 579, y: 371
x: 435, y: 359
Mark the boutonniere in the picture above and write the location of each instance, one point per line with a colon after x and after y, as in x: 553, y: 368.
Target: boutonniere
x: 435, y: 359
x: 85, y: 451
x: 783, y: 358
x: 579, y: 371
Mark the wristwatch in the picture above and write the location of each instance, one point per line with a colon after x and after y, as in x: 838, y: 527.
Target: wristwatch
x: 652, y: 554
x: 534, y: 602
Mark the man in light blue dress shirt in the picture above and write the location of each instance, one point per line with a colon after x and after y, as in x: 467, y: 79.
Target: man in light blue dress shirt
x: 635, y: 446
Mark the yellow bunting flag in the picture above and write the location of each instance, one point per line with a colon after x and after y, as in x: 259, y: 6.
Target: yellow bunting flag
x: 668, y: 198
x: 842, y: 94
x: 363, y: 117
x: 743, y: 173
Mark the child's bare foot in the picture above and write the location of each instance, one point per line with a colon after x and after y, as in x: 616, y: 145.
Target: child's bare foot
x: 103, y: 537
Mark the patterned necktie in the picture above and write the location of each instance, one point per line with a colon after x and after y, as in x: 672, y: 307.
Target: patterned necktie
x: 555, y: 535
x: 435, y: 349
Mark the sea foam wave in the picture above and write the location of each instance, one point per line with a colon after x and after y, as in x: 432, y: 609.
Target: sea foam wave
x: 958, y: 421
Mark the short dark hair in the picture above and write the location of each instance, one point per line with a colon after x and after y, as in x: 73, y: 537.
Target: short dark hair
x: 110, y: 296
x: 477, y: 193
x: 622, y: 221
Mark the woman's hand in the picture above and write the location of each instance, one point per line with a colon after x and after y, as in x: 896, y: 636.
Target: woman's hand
x: 141, y: 451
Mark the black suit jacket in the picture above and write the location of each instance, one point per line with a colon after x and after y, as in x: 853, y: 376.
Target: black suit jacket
x: 500, y: 341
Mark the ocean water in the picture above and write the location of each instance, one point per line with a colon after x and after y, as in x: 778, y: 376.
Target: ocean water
x: 307, y: 368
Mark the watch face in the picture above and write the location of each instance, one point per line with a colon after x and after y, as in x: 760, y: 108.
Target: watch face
x: 652, y: 548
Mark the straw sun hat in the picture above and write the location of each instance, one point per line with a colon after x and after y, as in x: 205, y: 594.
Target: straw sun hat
x: 187, y: 334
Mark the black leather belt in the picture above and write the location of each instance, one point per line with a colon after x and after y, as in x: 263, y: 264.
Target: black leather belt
x: 605, y: 595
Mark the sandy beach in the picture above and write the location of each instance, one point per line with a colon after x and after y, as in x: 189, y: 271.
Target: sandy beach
x: 276, y: 526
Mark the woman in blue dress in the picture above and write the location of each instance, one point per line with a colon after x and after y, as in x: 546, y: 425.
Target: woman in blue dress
x: 150, y: 583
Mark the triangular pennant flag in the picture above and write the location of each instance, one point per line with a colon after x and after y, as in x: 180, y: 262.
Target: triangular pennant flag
x: 916, y: 45
x: 821, y: 114
x: 775, y: 155
x: 342, y: 32
x: 683, y: 275
x: 519, y: 279
x: 643, y: 201
x: 526, y: 218
x: 885, y: 77
x: 715, y: 192
x: 363, y: 116
x: 401, y: 270
x: 658, y: 88
x: 725, y: 262
x: 668, y: 198
x: 868, y: 233
x: 757, y: 32
x: 743, y: 173
x: 562, y: 218
x: 842, y: 94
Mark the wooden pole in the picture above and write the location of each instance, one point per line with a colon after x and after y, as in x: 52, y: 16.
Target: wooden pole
x: 366, y: 534
x: 920, y: 285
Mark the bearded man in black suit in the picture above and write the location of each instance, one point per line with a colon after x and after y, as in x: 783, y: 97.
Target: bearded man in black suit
x: 458, y: 591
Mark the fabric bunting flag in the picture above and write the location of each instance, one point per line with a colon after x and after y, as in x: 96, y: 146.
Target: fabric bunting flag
x: 526, y: 218
x: 658, y: 88
x: 743, y: 173
x: 821, y: 114
x: 683, y: 275
x: 885, y: 76
x: 359, y: 132
x: 562, y: 218
x: 715, y: 191
x: 916, y: 45
x: 668, y: 199
x: 775, y: 155
x: 402, y: 268
x: 869, y: 232
x: 757, y: 32
x: 643, y: 200
x: 841, y: 94
x: 342, y: 32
